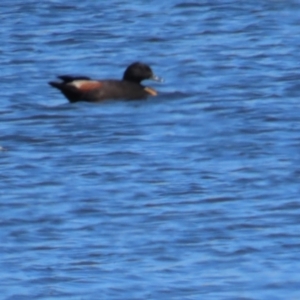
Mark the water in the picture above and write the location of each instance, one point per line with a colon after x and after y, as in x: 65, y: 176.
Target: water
x: 193, y: 194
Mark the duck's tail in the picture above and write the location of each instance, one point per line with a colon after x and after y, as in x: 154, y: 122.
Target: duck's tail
x: 57, y: 85
x: 68, y: 91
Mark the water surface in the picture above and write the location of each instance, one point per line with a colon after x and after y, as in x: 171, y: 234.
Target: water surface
x: 193, y: 194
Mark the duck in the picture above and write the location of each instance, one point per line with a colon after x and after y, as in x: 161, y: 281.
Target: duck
x: 83, y: 88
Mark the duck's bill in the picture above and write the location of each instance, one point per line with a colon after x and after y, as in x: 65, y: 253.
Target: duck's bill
x: 156, y: 78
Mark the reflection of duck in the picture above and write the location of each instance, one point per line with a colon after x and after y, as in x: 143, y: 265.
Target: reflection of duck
x: 81, y: 88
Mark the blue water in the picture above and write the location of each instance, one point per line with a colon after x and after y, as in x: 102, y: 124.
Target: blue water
x: 193, y: 194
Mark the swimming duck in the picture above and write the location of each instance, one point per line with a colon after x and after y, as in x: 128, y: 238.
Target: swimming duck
x: 82, y: 88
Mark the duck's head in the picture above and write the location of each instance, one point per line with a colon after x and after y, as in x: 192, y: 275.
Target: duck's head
x: 138, y: 72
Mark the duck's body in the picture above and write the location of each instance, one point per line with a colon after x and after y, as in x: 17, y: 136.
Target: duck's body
x: 82, y: 88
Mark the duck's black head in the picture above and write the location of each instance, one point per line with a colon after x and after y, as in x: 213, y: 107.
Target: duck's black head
x: 138, y: 72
